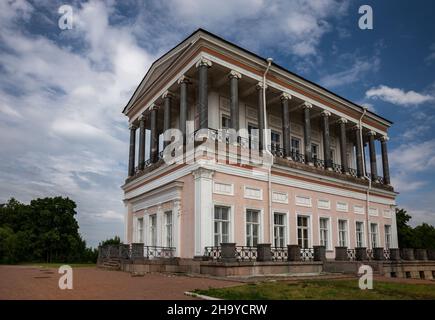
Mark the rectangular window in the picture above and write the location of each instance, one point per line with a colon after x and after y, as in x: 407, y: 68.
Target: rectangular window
x: 140, y: 230
x: 324, y: 232
x: 295, y: 145
x: 153, y: 227
x: 374, y: 235
x: 342, y: 233
x: 303, y: 232
x: 387, y: 236
x: 168, y: 227
x: 226, y: 122
x: 221, y: 225
x: 275, y: 139
x: 333, y: 155
x: 252, y: 227
x: 315, y: 151
x: 253, y: 137
x: 279, y: 229
x: 359, y: 229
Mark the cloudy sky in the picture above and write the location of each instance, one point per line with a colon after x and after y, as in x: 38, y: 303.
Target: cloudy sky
x: 62, y: 91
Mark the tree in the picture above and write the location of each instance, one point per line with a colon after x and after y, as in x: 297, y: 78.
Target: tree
x: 112, y: 241
x: 44, y: 230
x: 404, y: 231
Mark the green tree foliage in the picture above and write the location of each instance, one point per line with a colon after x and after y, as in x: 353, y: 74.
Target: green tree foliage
x: 114, y: 240
x: 45, y: 230
x: 422, y: 236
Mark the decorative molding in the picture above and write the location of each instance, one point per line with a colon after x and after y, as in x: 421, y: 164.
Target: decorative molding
x: 223, y: 188
x: 342, y: 206
x: 184, y: 79
x: 325, y: 113
x: 279, y: 197
x: 307, y: 105
x: 342, y: 120
x: 373, y: 211
x: 202, y: 173
x: 324, y: 204
x: 253, y: 193
x: 303, y: 201
x: 358, y: 209
x: 203, y: 62
x: 285, y: 96
x: 235, y: 74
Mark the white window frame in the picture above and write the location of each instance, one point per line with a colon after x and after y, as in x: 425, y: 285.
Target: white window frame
x: 169, y: 238
x: 229, y: 223
x: 329, y: 224
x: 259, y: 223
x: 153, y: 230
x: 347, y: 233
x: 310, y: 227
x: 140, y: 229
x: 387, y: 244
x: 286, y: 229
x: 363, y: 233
x: 371, y: 234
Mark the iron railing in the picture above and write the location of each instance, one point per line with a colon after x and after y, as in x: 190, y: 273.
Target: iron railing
x: 307, y: 254
x: 246, y: 253
x: 351, y: 255
x: 279, y: 253
x: 387, y: 254
x: 213, y: 252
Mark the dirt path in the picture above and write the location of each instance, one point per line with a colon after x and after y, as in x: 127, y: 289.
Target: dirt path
x: 26, y: 282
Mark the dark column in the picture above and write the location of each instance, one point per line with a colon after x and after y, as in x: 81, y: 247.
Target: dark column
x: 293, y: 252
x: 264, y: 252
x: 364, y: 158
x: 307, y: 133
x: 343, y: 146
x: 234, y: 99
x: 359, y: 152
x: 167, y: 106
x: 142, y: 142
x: 341, y: 253
x: 326, y: 140
x: 228, y: 252
x: 203, y: 66
x: 372, y: 150
x: 319, y: 253
x: 154, y: 137
x: 183, y: 81
x: 131, y: 157
x: 260, y: 116
x: 285, y: 124
x: 385, y: 165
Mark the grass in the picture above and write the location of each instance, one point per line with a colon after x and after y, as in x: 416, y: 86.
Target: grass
x: 323, y: 290
x: 57, y: 265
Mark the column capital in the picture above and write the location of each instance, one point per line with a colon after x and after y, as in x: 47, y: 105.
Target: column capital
x: 203, y: 62
x: 325, y: 113
x: 342, y: 120
x: 132, y: 126
x: 307, y: 105
x: 285, y: 96
x: 260, y: 85
x: 385, y: 138
x: 234, y: 74
x: 167, y: 94
x: 202, y: 173
x: 154, y: 107
x: 184, y: 79
x: 143, y: 116
x: 356, y: 127
x: 371, y: 133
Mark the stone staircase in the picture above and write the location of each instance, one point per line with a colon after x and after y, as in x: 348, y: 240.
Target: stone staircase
x: 111, y: 264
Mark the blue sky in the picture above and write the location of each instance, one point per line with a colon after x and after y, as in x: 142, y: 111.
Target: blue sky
x: 62, y: 91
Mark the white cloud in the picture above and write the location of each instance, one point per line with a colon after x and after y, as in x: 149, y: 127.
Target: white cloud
x: 398, y: 96
x: 360, y: 68
x: 431, y: 57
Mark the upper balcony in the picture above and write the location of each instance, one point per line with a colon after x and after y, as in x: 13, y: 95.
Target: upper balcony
x: 304, y: 127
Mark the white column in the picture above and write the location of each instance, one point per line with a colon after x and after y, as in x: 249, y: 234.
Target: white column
x: 176, y: 233
x: 203, y: 209
x: 160, y: 226
x: 394, y: 238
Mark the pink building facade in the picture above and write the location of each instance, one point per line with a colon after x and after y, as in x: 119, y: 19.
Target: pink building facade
x: 283, y: 160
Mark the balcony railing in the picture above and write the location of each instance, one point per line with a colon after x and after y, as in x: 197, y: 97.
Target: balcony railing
x: 135, y: 250
x: 307, y: 254
x: 246, y: 253
x: 279, y: 253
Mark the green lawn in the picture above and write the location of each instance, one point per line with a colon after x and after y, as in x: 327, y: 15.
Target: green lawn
x: 57, y: 265
x: 323, y: 290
